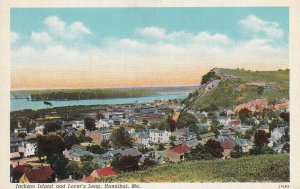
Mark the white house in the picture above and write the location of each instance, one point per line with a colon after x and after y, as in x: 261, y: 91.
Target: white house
x: 102, y: 124
x: 159, y: 136
x: 224, y: 120
x: 27, y: 148
x: 276, y: 135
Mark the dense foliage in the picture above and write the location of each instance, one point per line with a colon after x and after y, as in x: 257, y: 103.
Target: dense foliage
x: 121, y: 138
x: 262, y: 168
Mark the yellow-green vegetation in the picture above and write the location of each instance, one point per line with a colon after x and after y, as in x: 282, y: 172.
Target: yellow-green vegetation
x: 261, y: 168
x: 243, y: 87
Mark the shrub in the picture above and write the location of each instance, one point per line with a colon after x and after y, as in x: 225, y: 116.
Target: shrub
x: 126, y: 163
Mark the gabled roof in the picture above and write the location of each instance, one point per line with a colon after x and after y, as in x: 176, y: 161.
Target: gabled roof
x: 41, y: 174
x: 227, y: 144
x: 181, y: 149
x: 192, y: 143
x: 88, y: 179
x: 104, y: 172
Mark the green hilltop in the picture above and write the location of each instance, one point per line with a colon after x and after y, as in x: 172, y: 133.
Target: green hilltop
x: 227, y: 88
x: 261, y: 168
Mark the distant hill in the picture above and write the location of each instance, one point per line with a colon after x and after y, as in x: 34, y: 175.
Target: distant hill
x: 226, y: 88
x: 104, y: 93
x: 261, y: 168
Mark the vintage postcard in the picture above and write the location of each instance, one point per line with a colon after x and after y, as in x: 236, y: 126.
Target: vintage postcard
x: 141, y: 95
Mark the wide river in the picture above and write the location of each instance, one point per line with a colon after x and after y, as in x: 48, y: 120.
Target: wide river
x: 21, y: 104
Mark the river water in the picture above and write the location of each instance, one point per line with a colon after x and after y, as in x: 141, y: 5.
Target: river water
x: 21, y: 104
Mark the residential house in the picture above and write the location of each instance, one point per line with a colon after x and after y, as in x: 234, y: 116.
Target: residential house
x: 99, y: 173
x: 102, y: 124
x: 282, y: 148
x: 177, y: 153
x: 36, y: 174
x: 20, y: 130
x: 229, y: 112
x: 207, y: 136
x: 234, y: 123
x: 99, y: 135
x: 246, y: 144
x: 276, y: 135
x: 227, y: 145
x: 192, y: 143
x: 184, y: 134
x: 224, y: 120
x: 27, y: 149
x: 158, y: 136
x: 142, y: 138
x: 265, y: 128
x: 77, y: 152
x: 119, y: 153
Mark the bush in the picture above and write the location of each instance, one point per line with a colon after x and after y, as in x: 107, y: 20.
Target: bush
x: 237, y: 152
x: 199, y: 153
x: 148, y: 163
x: 126, y: 163
x: 214, y: 148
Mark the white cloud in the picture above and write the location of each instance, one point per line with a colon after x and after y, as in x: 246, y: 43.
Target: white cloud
x: 40, y: 37
x: 175, y: 49
x: 256, y: 26
x: 59, y: 28
x: 152, y: 31
x: 14, y: 37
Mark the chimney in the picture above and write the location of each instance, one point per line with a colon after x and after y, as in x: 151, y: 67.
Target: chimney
x: 70, y: 176
x: 56, y: 179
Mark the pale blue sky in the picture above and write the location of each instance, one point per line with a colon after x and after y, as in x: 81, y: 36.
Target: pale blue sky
x: 107, y: 47
x: 121, y: 22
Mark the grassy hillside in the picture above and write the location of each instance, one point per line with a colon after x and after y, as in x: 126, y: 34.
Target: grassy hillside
x: 238, y: 86
x: 263, y: 168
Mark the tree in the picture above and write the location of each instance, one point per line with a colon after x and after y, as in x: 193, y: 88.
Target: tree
x: 126, y: 163
x: 88, y: 165
x: 285, y: 116
x: 50, y: 145
x: 105, y: 145
x: 99, y: 115
x: 51, y: 127
x: 199, y: 153
x: 186, y: 120
x: 161, y: 147
x: 171, y: 123
x: 70, y: 140
x: 148, y: 163
x: 249, y: 134
x: 245, y: 115
x: 120, y: 138
x: 73, y: 169
x: 261, y: 139
x: 161, y: 125
x: 237, y: 152
x: 211, y: 75
x: 86, y: 158
x: 58, y: 163
x: 260, y: 90
x: 96, y: 149
x: 89, y: 123
x: 214, y: 148
x: 22, y: 135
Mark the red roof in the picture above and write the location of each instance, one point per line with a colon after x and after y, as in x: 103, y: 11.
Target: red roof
x: 88, y: 179
x: 104, y: 172
x: 181, y: 149
x: 20, y: 168
x: 227, y: 144
x: 235, y: 122
x: 38, y: 175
